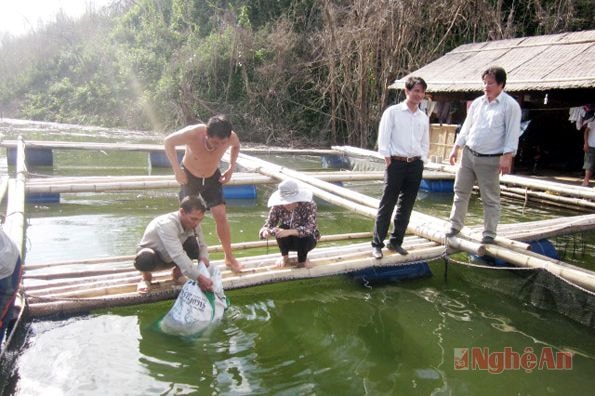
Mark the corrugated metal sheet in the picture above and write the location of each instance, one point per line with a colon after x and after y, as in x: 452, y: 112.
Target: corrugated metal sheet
x: 557, y: 61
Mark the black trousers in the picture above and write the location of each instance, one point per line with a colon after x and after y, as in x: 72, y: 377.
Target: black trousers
x: 401, y: 182
x: 296, y: 244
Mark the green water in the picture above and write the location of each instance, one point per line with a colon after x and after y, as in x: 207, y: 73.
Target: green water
x: 323, y: 336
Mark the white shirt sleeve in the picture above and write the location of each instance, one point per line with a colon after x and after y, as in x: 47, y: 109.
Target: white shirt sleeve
x: 384, y: 134
x: 513, y: 127
x: 425, y: 143
x: 462, y: 137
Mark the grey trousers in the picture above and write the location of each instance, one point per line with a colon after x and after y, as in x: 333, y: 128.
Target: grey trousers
x: 486, y: 171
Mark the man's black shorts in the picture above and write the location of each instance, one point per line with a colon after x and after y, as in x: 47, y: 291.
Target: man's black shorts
x: 209, y: 188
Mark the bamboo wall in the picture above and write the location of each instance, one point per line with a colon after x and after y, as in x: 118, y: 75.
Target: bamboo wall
x: 442, y: 138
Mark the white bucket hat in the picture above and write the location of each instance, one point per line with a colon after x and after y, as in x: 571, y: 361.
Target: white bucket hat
x: 289, y: 192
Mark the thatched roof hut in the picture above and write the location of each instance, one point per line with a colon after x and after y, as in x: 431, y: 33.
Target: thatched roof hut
x: 548, y: 75
x: 554, y: 63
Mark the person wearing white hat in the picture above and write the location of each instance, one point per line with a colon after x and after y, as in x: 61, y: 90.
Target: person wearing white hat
x: 292, y: 221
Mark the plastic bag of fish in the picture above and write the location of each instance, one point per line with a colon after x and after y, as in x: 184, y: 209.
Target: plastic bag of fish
x: 194, y: 309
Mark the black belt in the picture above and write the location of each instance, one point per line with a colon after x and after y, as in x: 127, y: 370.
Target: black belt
x: 404, y: 159
x: 475, y: 153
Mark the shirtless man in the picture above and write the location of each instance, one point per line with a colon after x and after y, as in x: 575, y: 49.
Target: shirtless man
x: 199, y: 172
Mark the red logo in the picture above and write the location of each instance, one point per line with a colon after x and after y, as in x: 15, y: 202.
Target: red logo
x: 477, y: 358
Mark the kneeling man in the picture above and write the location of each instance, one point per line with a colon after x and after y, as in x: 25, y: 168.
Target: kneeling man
x: 173, y: 240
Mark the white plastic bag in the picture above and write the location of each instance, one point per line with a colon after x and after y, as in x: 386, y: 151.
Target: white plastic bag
x: 194, y: 310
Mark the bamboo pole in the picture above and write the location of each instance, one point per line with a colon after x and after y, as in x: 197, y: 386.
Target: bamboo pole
x: 328, y: 176
x: 76, y: 274
x: 327, y: 191
x: 583, y: 223
x: 577, y: 191
x: 98, y: 146
x: 100, y: 260
x: 3, y: 187
x: 568, y: 201
x: 212, y: 249
x: 67, y: 180
x: 15, y: 207
x: 545, y: 201
x: 511, y: 243
x: 81, y: 282
x: 576, y: 275
x: 75, y: 185
x: 128, y: 185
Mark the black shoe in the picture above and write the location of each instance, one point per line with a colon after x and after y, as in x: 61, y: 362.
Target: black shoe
x: 452, y: 232
x: 377, y: 253
x: 487, y: 240
x: 397, y: 248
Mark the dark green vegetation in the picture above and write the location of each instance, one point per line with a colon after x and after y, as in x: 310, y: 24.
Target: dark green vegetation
x: 286, y: 71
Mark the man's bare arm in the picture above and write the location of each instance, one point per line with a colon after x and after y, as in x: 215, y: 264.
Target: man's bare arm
x: 233, y: 157
x: 179, y: 138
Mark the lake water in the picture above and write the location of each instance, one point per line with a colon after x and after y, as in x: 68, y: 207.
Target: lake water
x: 324, y: 336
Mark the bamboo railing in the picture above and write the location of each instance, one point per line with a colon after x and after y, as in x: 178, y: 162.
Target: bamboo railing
x: 545, y: 191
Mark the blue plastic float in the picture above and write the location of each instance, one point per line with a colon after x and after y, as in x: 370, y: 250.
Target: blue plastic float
x: 436, y: 185
x: 335, y: 161
x: 542, y: 246
x: 35, y: 156
x: 247, y: 191
x: 392, y: 274
x: 158, y: 159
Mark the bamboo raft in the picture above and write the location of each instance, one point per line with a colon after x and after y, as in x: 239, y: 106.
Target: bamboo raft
x: 78, y: 286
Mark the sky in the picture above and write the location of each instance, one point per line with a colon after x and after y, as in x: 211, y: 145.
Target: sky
x: 18, y: 17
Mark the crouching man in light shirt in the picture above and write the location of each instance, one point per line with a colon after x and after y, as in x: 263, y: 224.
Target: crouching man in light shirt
x: 173, y: 240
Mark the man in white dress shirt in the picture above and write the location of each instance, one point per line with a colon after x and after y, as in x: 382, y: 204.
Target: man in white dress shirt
x: 489, y: 138
x: 403, y: 141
